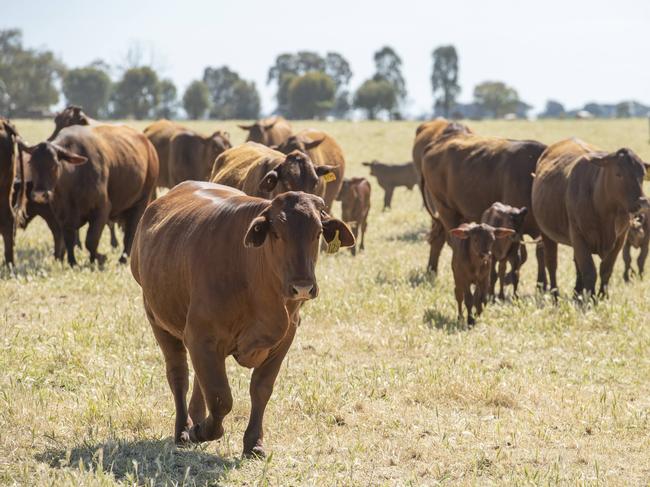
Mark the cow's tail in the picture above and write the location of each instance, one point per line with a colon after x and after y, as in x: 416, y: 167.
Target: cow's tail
x: 431, y: 211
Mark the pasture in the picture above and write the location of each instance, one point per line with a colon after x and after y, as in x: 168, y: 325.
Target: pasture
x: 382, y: 385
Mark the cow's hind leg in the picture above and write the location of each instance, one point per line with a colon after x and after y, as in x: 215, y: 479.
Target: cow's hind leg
x: 177, y: 376
x: 549, y: 253
x: 437, y: 239
x: 627, y: 260
x: 111, y: 228
x: 643, y: 255
x: 197, y: 402
x: 261, y: 388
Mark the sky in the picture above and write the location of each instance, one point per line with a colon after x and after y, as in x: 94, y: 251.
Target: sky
x: 574, y: 51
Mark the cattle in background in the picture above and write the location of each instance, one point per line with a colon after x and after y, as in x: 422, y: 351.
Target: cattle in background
x: 234, y: 287
x: 391, y: 176
x: 464, y: 174
x: 583, y: 197
x: 9, y: 215
x: 258, y: 170
x: 323, y: 151
x: 268, y: 131
x: 471, y: 263
x: 506, y: 250
x: 638, y: 236
x: 184, y: 154
x: 71, y: 115
x: 93, y: 174
x: 355, y: 206
x: 191, y: 155
x: 427, y: 134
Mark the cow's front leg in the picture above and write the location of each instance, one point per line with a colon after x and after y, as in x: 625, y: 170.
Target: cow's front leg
x: 95, y: 227
x: 70, y: 237
x: 209, y: 362
x: 261, y: 389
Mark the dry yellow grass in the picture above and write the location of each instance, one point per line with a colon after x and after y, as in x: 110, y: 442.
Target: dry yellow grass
x: 381, y: 387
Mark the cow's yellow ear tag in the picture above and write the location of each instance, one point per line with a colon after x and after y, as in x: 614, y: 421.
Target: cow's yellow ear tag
x: 329, y: 177
x: 334, y: 246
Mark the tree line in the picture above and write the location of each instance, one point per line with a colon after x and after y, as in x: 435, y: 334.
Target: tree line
x: 308, y: 85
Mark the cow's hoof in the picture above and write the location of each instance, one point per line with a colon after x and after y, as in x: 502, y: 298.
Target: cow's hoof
x: 123, y: 259
x: 256, y: 452
x: 183, y: 439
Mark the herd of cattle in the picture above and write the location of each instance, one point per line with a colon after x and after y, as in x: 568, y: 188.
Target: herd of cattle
x: 227, y: 256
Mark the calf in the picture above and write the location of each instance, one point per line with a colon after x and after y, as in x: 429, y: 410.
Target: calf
x: 355, y: 204
x: 505, y: 250
x: 638, y: 237
x: 471, y: 263
x: 391, y: 176
x: 268, y: 131
x: 223, y: 273
x: 93, y: 174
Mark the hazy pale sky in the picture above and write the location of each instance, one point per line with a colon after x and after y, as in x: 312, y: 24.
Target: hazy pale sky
x: 575, y: 51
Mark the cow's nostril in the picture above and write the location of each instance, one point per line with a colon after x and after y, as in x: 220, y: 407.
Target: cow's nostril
x: 302, y: 291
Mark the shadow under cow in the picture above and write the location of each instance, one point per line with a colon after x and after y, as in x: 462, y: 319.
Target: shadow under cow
x: 150, y: 462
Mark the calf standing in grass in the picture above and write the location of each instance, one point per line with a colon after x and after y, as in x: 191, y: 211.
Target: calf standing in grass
x: 471, y: 263
x: 505, y: 250
x: 355, y: 203
x: 391, y: 176
x: 638, y: 237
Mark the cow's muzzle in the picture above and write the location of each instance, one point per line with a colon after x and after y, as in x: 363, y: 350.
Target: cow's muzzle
x: 41, y: 196
x: 303, y: 289
x: 641, y: 204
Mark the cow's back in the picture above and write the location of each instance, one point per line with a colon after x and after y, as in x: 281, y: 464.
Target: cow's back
x: 243, y: 167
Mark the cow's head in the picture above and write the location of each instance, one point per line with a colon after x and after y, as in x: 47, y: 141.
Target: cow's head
x: 481, y: 238
x: 289, y: 230
x: 622, y: 173
x: 46, y: 164
x: 71, y: 115
x: 636, y: 233
x: 295, y: 173
x: 214, y: 145
x: 373, y: 166
x: 258, y: 131
x: 300, y: 143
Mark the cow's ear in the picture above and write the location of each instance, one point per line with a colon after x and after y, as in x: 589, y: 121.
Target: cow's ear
x: 257, y: 230
x: 270, y: 179
x: 330, y: 228
x: 503, y: 232
x: 10, y: 129
x: 26, y: 148
x: 245, y: 127
x: 270, y: 125
x: 368, y: 164
x: 459, y: 232
x: 647, y: 166
x: 327, y: 172
x: 69, y: 156
x: 600, y: 159
x: 312, y: 144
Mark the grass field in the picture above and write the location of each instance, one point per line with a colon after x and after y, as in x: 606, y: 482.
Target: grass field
x: 381, y: 387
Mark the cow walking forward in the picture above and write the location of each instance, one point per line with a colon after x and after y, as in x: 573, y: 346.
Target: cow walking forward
x: 223, y: 273
x: 93, y: 174
x: 583, y: 197
x: 471, y: 263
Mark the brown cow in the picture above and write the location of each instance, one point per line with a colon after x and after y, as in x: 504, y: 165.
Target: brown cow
x: 258, y: 170
x: 71, y: 115
x: 583, y: 197
x: 93, y: 174
x: 323, y: 151
x: 160, y: 134
x: 233, y: 286
x: 638, y: 236
x: 427, y: 134
x: 391, y: 176
x: 506, y: 250
x: 191, y: 155
x: 268, y: 131
x: 355, y: 205
x: 465, y: 173
x: 471, y: 263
